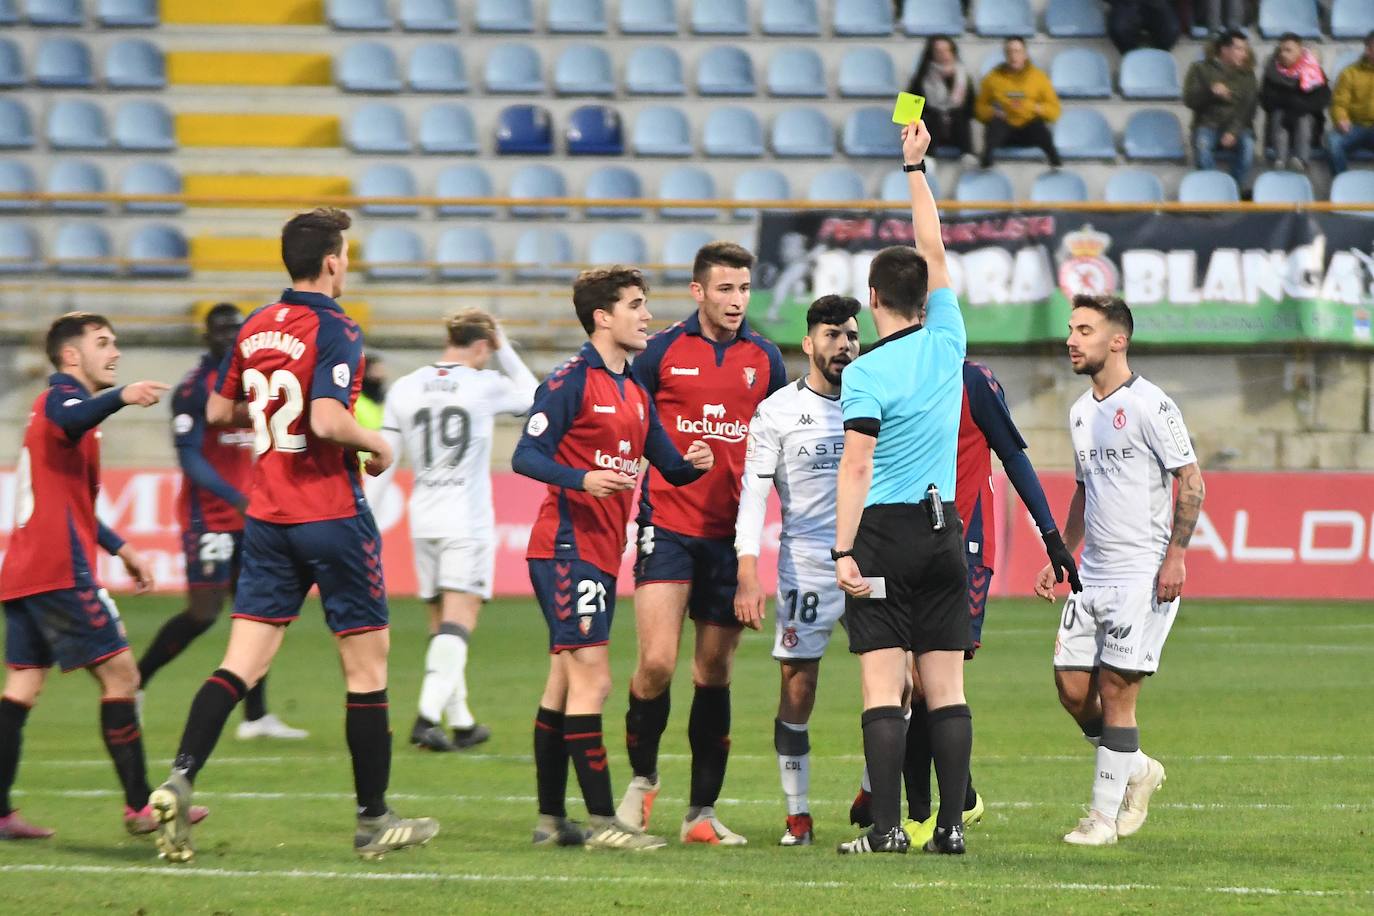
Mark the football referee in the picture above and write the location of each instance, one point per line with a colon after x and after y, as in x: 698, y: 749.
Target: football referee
x: 898, y: 540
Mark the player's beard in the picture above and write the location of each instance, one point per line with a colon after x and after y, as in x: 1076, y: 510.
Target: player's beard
x: 1089, y: 367
x: 828, y: 369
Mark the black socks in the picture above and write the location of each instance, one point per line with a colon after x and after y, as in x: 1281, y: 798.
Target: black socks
x: 884, y: 730
x: 587, y: 748
x: 176, y: 634
x: 210, y: 709
x: 708, y: 733
x: 369, y: 742
x: 916, y: 767
x: 12, y: 717
x: 951, y: 744
x: 550, y: 763
x: 124, y: 740
x: 645, y: 721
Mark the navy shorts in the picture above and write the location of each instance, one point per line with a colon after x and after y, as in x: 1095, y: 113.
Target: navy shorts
x: 212, y: 557
x: 71, y: 627
x: 343, y: 556
x: 578, y: 601
x: 709, y: 565
x: 979, y: 582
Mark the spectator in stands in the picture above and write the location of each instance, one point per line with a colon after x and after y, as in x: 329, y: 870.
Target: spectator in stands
x: 1222, y: 92
x: 1017, y: 104
x: 1352, y: 109
x: 1225, y: 15
x: 949, y: 92
x: 368, y: 408
x: 1294, y: 94
x: 1142, y: 23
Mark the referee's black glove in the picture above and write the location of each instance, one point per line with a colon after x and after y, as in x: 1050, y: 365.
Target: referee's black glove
x: 1061, y: 560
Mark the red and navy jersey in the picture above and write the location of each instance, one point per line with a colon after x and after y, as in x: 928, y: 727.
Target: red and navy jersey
x: 57, y: 478
x: 216, y: 462
x: 586, y: 417
x: 708, y: 390
x: 301, y: 349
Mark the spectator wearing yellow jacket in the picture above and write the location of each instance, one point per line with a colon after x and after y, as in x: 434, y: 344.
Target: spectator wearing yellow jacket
x: 1352, y: 109
x: 1017, y: 104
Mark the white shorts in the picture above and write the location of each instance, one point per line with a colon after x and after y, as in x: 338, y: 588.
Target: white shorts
x: 454, y: 565
x: 1117, y: 626
x: 810, y: 603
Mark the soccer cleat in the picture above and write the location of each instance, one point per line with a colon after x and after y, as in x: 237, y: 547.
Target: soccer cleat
x: 1135, y: 807
x: 947, y: 841
x: 798, y: 831
x: 859, y: 813
x: 171, y: 803
x: 895, y: 840
x: 142, y: 823
x: 464, y: 738
x: 612, y: 833
x: 558, y: 831
x: 919, y: 832
x: 429, y: 737
x: 974, y: 815
x: 707, y: 828
x: 377, y: 836
x: 269, y: 726
x: 638, y: 802
x: 1093, y: 830
x: 14, y: 827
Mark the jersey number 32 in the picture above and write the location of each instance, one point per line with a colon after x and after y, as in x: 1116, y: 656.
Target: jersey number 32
x: 272, y: 432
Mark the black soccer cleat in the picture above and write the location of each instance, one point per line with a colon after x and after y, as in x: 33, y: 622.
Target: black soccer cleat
x: 860, y: 814
x: 430, y: 737
x: 895, y: 840
x: 464, y: 738
x: 948, y: 841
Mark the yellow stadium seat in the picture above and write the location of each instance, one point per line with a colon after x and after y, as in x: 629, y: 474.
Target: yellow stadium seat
x: 243, y: 12
x: 252, y: 188
x: 270, y: 130
x: 240, y: 253
x: 248, y: 68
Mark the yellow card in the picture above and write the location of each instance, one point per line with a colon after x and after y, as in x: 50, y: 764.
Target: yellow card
x: 908, y: 108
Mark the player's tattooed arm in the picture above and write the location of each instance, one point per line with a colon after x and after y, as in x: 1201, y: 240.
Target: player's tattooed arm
x: 1187, y: 505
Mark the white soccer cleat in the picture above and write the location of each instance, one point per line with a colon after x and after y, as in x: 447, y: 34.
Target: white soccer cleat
x: 707, y: 828
x: 638, y: 803
x: 1135, y: 807
x: 1093, y: 830
x: 269, y: 726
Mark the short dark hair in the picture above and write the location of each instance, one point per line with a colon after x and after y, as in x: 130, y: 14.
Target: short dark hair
x: 67, y: 328
x: 719, y: 254
x: 308, y: 238
x: 470, y: 325
x: 223, y: 308
x: 1227, y: 36
x: 1113, y: 308
x: 899, y: 275
x: 1290, y: 36
x: 600, y: 288
x: 831, y: 309
x: 1016, y: 38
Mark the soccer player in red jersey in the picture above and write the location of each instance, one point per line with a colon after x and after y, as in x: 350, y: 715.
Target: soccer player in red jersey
x: 590, y: 425
x: 707, y: 375
x: 56, y: 611
x: 215, y: 468
x: 299, y: 365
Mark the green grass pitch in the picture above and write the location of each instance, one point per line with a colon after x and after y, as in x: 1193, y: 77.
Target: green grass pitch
x: 1262, y: 715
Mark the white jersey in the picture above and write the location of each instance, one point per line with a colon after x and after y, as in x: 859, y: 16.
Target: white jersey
x: 1124, y: 447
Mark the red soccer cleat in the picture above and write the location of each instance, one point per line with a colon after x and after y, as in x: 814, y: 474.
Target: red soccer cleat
x: 142, y: 823
x: 859, y: 813
x: 14, y: 827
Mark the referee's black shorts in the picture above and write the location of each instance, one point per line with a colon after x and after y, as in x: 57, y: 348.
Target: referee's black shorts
x: 926, y: 578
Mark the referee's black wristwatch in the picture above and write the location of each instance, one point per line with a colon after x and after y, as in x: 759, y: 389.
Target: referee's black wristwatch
x: 918, y: 167
x: 840, y: 554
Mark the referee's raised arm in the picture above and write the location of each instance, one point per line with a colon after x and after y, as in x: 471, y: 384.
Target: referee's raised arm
x: 925, y: 219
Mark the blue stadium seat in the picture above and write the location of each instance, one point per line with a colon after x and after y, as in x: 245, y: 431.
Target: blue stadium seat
x: 661, y: 131
x: 127, y: 14
x: 732, y: 132
x: 580, y: 17
x: 595, y: 130
x: 1081, y: 73
x: 9, y: 12
x: 1149, y: 73
x: 135, y: 63
x: 447, y: 128
x: 159, y: 251
x: 1154, y: 134
x: 83, y: 250
x: 394, y: 253
x: 144, y: 126
x: 1083, y: 133
x: 719, y: 17
x: 151, y: 178
x: 17, y: 178
x: 428, y: 15
x: 1075, y: 19
x: 862, y: 18
x: 924, y: 18
x: 687, y: 182
x: 790, y: 17
x: 895, y: 188
x: 76, y: 124
x: 802, y: 132
x: 648, y: 17
x: 1298, y: 16
x: 537, y: 181
x: 983, y: 184
x: 63, y: 63
x: 725, y: 70
x: 680, y: 251
x: 1351, y: 19
x: 524, y: 130
x: 1342, y: 60
x: 617, y: 246
x: 1133, y: 186
x: 584, y: 70
x: 1003, y: 18
x: 544, y: 254
x: 378, y: 127
x: 1283, y: 188
x: 870, y: 133
x: 796, y: 73
x: 437, y: 67
x: 55, y: 12
x: 504, y: 16
x: 387, y: 180
x: 367, y: 66
x: 838, y: 183
x: 1058, y: 186
x: 612, y: 182
x: 759, y: 184
x: 18, y: 249
x: 1354, y: 187
x: 1208, y: 187
x: 77, y: 176
x: 654, y: 70
x: 466, y: 180
x: 16, y: 130
x: 466, y: 253
x: 11, y: 65
x: 867, y: 73
x: 991, y: 60
x: 514, y: 69
x: 359, y: 15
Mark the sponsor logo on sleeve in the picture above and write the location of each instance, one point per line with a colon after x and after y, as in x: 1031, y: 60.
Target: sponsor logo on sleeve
x: 1180, y: 435
x: 182, y: 423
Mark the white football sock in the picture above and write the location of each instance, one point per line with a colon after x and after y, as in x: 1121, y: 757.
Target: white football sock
x: 459, y: 716
x: 443, y: 670
x: 1116, y: 758
x: 795, y: 768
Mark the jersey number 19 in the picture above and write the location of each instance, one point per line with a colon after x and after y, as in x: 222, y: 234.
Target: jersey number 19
x: 452, y: 431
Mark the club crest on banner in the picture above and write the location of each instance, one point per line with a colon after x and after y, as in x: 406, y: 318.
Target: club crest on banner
x: 1084, y: 269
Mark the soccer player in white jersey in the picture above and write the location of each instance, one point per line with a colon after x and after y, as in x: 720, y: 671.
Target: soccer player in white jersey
x: 1130, y: 445
x: 441, y: 415
x: 794, y: 446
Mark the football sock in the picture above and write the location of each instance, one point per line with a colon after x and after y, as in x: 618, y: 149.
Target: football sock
x: 916, y: 766
x: 369, y: 743
x: 13, y: 714
x: 550, y: 762
x: 587, y: 748
x: 446, y: 653
x: 124, y: 741
x: 1115, y: 760
x: 1092, y: 731
x: 645, y: 721
x: 884, y: 736
x: 210, y: 709
x: 176, y: 634
x: 459, y: 716
x: 708, y: 733
x: 255, y: 701
x: 951, y: 745
x: 793, y: 744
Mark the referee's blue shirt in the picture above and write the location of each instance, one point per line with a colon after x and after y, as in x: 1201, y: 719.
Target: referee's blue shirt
x: 911, y: 383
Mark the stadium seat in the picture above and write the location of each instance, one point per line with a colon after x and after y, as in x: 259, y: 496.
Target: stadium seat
x: 63, y: 63
x: 1154, y: 134
x: 1083, y: 133
x: 680, y: 252
x: 612, y: 182
x: 1003, y: 18
x: 1081, y: 73
x: 1354, y: 187
x: 378, y: 127
x: 790, y: 17
x: 135, y: 63
x: 732, y: 132
x: 524, y: 130
x: 16, y: 130
x: 18, y: 249
x: 595, y: 130
x: 359, y: 15
x: 17, y: 178
x: 687, y: 182
x: 867, y: 73
x: 1059, y: 186
x: 437, y: 67
x: 802, y: 132
x: 145, y: 126
x: 1149, y: 73
x: 537, y: 181
x: 544, y: 254
x: 83, y: 249
x: 583, y: 70
x: 11, y: 65
x: 838, y: 183
x: 504, y: 16
x: 581, y: 17
x: 617, y: 246
x: 9, y: 12
x: 1278, y: 187
x: 387, y: 180
x: 862, y: 18
x: 1351, y: 19
x: 648, y: 17
x: 127, y: 14
x: 869, y: 133
x: 759, y: 184
x: 466, y: 180
x: 1208, y: 187
x: 1075, y: 19
x: 428, y: 15
x: 159, y: 251
x: 77, y: 176
x: 661, y: 131
x: 896, y: 189
x: 77, y: 124
x: 465, y: 253
x: 719, y: 17
x: 1298, y: 16
x: 725, y: 70
x: 151, y: 178
x: 513, y: 69
x: 367, y: 66
x: 55, y: 12
x: 983, y: 184
x: 924, y: 18
x: 447, y: 128
x: 796, y: 73
x: 394, y: 253
x: 1342, y: 60
x: 991, y: 60
x: 1133, y: 186
x: 654, y: 70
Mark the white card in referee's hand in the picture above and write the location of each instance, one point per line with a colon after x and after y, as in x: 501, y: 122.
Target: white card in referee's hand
x: 877, y: 586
